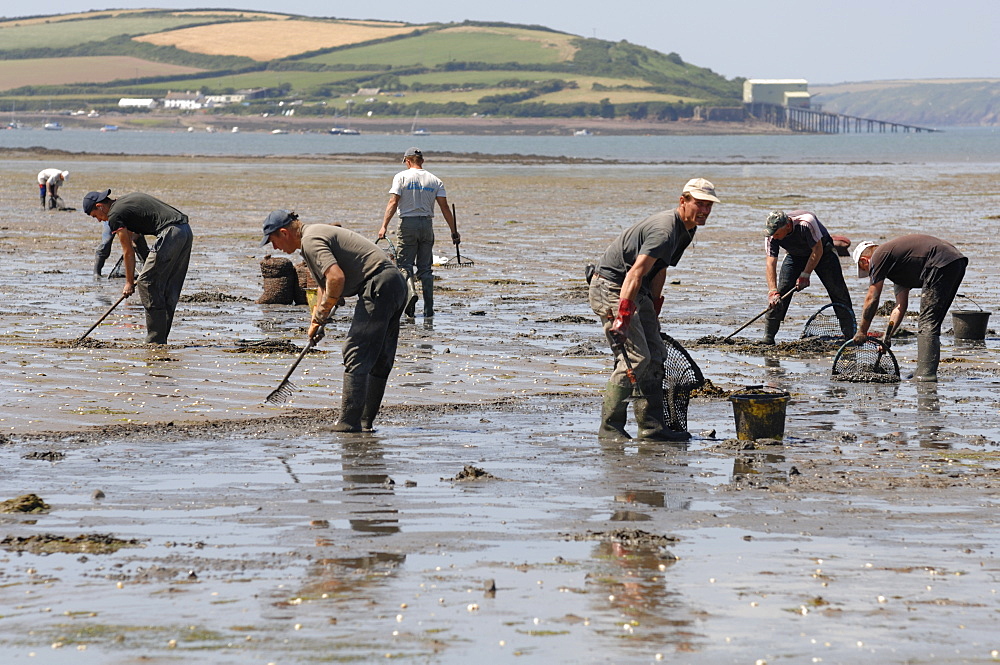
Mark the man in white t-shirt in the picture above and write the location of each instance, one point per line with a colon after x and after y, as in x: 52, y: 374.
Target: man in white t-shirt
x: 49, y: 182
x: 414, y: 192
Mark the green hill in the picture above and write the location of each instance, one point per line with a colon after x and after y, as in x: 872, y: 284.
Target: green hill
x: 934, y: 103
x: 92, y: 59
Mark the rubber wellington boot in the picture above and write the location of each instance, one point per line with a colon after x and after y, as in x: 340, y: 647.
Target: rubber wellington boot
x: 614, y: 411
x: 99, y: 264
x: 373, y: 400
x: 353, y: 395
x: 427, y: 284
x: 770, y: 330
x: 411, y: 297
x: 157, y: 326
x: 928, y: 357
x: 649, y: 414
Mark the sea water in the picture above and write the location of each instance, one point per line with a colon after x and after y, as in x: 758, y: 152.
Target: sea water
x: 958, y: 145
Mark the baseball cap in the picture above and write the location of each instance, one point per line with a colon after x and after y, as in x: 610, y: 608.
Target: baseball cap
x: 856, y: 255
x: 412, y: 152
x: 701, y: 189
x: 91, y: 199
x: 775, y: 221
x: 277, y: 219
x: 64, y: 174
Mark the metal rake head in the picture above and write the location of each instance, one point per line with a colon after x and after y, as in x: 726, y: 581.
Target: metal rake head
x: 282, y: 393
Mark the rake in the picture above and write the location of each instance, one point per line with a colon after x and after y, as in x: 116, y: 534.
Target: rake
x: 82, y: 337
x: 286, y: 388
x: 458, y: 261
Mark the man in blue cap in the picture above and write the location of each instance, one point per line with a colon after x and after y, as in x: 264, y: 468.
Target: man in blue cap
x: 162, y: 277
x: 345, y: 264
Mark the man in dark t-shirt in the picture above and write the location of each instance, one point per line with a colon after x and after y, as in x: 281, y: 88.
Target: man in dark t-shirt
x: 808, y: 247
x: 626, y: 285
x: 162, y: 277
x: 914, y: 261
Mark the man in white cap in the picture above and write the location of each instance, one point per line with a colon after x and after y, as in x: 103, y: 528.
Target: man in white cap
x: 913, y: 261
x: 49, y: 182
x: 626, y: 293
x: 414, y: 192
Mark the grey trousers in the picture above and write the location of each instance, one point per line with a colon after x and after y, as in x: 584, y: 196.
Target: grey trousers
x: 162, y: 278
x: 643, y: 345
x: 371, y: 342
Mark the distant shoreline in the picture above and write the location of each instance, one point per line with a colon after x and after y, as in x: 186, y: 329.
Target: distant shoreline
x: 400, y: 125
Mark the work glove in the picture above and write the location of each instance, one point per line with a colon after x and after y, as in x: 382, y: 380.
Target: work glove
x: 619, y: 329
x: 658, y: 305
x: 802, y: 282
x: 318, y: 334
x: 773, y: 299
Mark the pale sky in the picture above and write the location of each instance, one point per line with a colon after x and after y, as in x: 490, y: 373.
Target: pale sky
x: 823, y: 42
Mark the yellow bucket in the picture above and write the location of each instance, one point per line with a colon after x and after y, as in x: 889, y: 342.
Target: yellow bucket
x: 311, y: 298
x: 759, y: 414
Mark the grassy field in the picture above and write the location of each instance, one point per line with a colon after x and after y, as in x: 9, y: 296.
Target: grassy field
x: 269, y: 78
x: 272, y: 40
x: 90, y: 69
x: 462, y: 44
x: 59, y: 34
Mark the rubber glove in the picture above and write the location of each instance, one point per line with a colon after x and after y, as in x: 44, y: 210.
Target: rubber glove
x: 773, y: 299
x: 802, y: 282
x: 626, y: 309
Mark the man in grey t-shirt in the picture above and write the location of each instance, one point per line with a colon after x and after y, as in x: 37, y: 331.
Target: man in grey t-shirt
x: 345, y: 264
x: 414, y: 193
x: 626, y: 293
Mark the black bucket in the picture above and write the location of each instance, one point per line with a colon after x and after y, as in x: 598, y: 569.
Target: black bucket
x: 759, y: 414
x: 970, y: 324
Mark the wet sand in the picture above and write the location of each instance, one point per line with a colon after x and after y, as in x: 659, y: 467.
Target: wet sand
x: 867, y: 536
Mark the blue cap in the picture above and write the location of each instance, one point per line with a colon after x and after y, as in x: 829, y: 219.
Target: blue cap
x: 91, y: 199
x: 278, y: 219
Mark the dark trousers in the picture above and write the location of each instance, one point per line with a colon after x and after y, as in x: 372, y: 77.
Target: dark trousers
x: 830, y: 274
x: 371, y: 342
x: 937, y: 293
x: 103, y: 249
x: 162, y: 278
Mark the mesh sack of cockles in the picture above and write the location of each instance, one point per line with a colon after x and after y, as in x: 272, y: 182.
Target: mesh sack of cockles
x: 681, y: 375
x: 869, y: 362
x: 825, y: 323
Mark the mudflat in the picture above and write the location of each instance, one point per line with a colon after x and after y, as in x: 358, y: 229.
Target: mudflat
x: 181, y: 518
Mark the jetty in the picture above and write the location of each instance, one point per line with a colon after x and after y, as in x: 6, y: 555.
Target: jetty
x: 799, y: 119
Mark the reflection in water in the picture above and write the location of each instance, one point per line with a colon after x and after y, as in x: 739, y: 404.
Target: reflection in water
x: 365, y: 478
x: 758, y: 470
x: 347, y: 577
x: 929, y: 422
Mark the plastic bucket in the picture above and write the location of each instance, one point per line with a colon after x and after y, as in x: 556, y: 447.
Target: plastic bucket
x: 311, y: 298
x: 759, y: 414
x: 970, y: 324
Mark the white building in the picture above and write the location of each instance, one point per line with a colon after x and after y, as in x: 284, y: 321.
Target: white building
x: 790, y: 93
x: 186, y: 101
x: 222, y: 100
x: 137, y: 103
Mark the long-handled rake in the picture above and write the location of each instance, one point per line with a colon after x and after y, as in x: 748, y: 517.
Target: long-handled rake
x: 458, y: 261
x: 284, y: 391
x: 98, y: 322
x: 766, y: 310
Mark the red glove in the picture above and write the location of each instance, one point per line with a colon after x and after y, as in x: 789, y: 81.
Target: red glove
x: 626, y: 308
x: 773, y: 299
x: 802, y: 282
x: 658, y: 305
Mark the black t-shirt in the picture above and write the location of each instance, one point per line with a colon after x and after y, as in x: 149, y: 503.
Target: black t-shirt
x: 662, y: 235
x: 142, y: 213
x: 906, y: 260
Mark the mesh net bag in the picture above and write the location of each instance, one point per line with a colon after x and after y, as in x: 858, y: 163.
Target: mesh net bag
x: 681, y: 375
x: 868, y: 362
x: 280, y: 281
x: 826, y: 322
